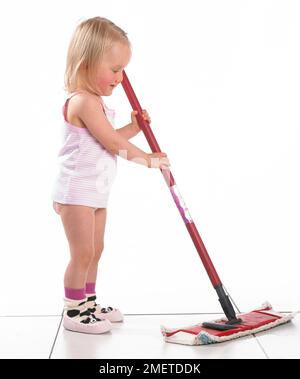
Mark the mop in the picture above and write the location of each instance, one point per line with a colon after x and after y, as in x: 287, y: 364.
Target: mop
x: 223, y: 329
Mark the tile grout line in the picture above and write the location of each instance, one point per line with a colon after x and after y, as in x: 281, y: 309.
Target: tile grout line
x: 173, y: 314
x: 11, y: 316
x: 145, y: 314
x: 260, y: 345
x: 54, y: 342
x: 126, y: 314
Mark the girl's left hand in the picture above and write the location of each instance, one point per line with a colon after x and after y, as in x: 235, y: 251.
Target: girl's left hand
x: 145, y: 117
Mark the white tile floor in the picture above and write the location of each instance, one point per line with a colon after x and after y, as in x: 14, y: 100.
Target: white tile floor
x: 138, y: 337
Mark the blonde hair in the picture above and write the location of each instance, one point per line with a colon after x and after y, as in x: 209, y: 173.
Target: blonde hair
x: 90, y: 41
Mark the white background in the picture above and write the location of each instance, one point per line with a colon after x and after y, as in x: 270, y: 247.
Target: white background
x: 221, y: 82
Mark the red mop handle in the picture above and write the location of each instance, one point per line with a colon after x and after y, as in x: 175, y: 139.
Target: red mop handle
x: 145, y: 127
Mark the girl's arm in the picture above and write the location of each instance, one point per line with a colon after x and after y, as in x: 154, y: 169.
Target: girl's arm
x: 133, y: 128
x: 86, y: 107
x: 129, y: 131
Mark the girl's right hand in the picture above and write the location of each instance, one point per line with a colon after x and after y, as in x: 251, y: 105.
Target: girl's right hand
x: 158, y: 160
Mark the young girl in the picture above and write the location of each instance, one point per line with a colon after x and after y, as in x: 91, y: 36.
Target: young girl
x: 98, y: 52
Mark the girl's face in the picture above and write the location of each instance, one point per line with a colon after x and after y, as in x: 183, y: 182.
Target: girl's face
x: 109, y: 72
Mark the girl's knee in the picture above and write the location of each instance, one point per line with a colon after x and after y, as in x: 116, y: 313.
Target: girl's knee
x: 83, y: 258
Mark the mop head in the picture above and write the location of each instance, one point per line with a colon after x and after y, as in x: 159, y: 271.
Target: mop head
x: 256, y: 321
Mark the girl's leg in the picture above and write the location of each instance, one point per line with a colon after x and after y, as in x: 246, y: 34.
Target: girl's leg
x: 99, y: 229
x: 111, y: 314
x: 79, y: 223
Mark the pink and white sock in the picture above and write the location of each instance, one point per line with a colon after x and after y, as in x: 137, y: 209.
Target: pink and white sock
x: 90, y: 289
x: 75, y: 293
